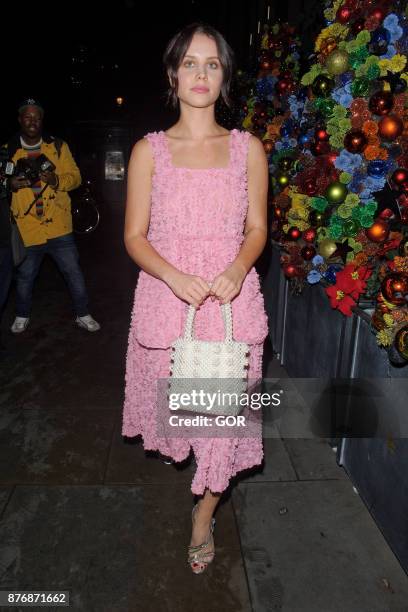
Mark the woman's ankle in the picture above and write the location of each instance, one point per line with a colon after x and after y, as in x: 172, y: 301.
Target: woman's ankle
x: 202, y: 515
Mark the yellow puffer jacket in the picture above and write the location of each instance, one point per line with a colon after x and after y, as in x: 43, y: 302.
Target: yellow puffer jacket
x: 57, y: 219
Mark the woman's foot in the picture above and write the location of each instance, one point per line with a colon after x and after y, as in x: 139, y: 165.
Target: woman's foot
x: 201, y: 550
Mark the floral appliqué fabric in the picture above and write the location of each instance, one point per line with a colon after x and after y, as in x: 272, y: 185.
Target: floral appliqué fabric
x: 197, y: 224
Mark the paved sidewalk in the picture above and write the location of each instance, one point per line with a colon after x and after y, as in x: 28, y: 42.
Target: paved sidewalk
x: 81, y: 510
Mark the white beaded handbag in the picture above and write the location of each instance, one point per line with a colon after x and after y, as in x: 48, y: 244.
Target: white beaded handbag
x: 219, y: 368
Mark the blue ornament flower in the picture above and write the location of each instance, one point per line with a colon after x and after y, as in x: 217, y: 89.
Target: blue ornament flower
x: 342, y: 95
x: 365, y: 195
x: 374, y: 183
x: 391, y: 24
x: 317, y: 260
x: 313, y: 277
x: 295, y: 105
x: 370, y: 185
x: 391, y: 51
x: 348, y: 162
x: 355, y: 184
x: 346, y: 100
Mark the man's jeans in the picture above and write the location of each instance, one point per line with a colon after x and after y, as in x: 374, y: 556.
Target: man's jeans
x: 6, y: 273
x: 64, y: 252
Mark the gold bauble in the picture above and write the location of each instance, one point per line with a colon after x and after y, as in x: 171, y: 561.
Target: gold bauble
x: 282, y: 180
x: 327, y: 247
x: 336, y: 193
x: 337, y: 62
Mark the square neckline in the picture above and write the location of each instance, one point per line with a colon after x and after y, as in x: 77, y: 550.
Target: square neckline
x: 224, y: 168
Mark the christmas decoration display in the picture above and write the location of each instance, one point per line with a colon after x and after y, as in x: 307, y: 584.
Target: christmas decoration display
x: 338, y: 154
x: 264, y: 96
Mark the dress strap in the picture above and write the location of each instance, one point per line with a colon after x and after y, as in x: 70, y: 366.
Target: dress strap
x: 159, y: 148
x: 239, y: 149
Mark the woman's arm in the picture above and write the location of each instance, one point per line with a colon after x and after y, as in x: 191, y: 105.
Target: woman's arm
x: 256, y: 222
x: 228, y: 284
x: 137, y: 217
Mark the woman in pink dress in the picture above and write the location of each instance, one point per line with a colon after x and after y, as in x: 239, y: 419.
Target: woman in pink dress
x: 195, y: 224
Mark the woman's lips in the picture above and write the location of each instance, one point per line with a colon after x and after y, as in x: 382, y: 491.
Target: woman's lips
x: 200, y: 89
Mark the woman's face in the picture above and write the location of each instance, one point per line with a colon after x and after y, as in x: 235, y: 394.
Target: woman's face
x: 200, y: 73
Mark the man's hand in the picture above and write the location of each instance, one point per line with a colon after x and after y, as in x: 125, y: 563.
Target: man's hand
x: 19, y: 182
x: 49, y: 177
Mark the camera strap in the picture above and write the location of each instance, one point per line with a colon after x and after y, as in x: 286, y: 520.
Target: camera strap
x: 37, y: 197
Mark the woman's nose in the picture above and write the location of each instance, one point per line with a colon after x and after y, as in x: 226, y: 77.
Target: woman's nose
x: 202, y: 72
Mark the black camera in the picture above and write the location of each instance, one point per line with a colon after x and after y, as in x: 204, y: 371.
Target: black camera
x: 6, y: 168
x: 6, y: 165
x: 30, y: 167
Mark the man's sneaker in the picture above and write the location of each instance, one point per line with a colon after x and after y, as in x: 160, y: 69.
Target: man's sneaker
x: 19, y: 325
x: 88, y: 323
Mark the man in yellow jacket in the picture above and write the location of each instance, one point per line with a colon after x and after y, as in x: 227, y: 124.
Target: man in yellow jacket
x: 42, y: 209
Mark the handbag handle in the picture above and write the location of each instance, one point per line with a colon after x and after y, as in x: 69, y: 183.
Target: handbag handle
x: 226, y: 317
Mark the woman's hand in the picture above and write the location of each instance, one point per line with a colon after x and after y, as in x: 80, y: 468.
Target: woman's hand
x: 228, y: 284
x: 189, y: 287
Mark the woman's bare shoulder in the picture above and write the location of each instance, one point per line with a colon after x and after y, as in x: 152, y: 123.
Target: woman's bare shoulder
x: 142, y: 152
x: 255, y: 143
x: 142, y: 145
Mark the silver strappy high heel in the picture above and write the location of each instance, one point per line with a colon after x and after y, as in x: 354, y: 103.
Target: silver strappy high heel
x: 196, y: 554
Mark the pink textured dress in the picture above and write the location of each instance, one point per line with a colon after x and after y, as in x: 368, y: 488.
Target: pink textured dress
x: 196, y: 223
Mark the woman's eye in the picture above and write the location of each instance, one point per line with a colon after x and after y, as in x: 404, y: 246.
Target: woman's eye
x: 212, y: 64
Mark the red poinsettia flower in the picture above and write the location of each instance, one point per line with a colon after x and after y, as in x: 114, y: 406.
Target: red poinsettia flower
x: 340, y: 300
x: 352, y: 280
x: 350, y: 283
